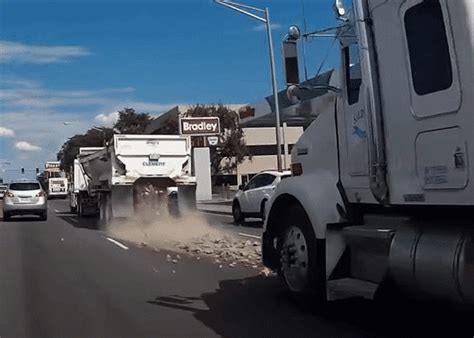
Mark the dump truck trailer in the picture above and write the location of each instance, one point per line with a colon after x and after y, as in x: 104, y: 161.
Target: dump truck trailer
x: 80, y: 201
x: 141, y: 175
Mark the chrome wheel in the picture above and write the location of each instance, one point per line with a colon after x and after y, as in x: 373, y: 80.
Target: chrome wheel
x: 294, y: 259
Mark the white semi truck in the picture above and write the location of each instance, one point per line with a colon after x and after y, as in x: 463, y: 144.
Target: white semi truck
x: 79, y: 201
x: 57, y: 183
x: 382, y: 190
x: 141, y: 175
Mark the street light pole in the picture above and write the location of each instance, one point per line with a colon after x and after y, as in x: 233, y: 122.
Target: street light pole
x: 275, y: 88
x: 244, y: 9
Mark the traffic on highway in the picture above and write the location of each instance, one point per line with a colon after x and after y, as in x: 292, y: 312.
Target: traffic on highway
x: 338, y: 205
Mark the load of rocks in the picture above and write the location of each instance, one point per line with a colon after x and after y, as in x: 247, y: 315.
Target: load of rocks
x: 226, y: 250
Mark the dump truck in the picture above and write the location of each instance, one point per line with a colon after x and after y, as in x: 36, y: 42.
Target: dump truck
x: 381, y: 192
x: 141, y: 175
x: 79, y: 200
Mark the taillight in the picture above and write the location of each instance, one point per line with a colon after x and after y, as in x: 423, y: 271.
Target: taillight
x: 41, y: 194
x: 296, y: 169
x: 10, y: 194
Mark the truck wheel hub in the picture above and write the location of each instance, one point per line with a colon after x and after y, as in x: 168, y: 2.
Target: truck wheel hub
x: 294, y: 259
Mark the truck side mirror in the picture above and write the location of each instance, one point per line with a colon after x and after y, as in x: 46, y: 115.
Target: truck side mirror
x: 290, y: 55
x: 241, y: 187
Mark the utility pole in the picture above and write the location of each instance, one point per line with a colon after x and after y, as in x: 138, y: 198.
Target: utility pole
x: 263, y: 16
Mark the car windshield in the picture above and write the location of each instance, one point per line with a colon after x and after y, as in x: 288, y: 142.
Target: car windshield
x: 24, y: 186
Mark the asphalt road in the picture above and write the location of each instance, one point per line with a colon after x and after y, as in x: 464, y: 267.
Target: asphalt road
x: 61, y: 280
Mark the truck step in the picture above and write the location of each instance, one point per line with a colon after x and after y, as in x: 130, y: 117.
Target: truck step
x: 369, y: 248
x: 345, y: 288
x: 369, y: 231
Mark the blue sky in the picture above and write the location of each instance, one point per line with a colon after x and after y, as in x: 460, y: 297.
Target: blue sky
x: 81, y: 61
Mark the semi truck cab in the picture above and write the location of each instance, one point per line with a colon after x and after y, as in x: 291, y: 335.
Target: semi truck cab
x: 380, y: 191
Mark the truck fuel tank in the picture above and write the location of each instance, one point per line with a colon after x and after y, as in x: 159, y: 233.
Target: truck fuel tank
x: 434, y: 261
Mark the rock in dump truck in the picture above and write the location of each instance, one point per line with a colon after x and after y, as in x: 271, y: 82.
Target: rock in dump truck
x: 140, y: 175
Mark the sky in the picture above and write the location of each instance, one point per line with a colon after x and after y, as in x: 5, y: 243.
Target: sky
x: 68, y: 65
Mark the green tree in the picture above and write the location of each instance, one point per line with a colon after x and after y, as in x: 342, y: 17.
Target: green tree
x: 131, y: 122
x: 231, y: 149
x: 70, y: 148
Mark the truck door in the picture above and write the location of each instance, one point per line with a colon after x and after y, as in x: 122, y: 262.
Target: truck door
x: 355, y: 116
x: 435, y: 96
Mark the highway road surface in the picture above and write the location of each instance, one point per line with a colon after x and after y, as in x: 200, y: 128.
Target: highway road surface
x: 58, y: 279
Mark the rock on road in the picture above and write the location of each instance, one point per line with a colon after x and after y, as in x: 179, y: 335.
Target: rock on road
x: 60, y: 280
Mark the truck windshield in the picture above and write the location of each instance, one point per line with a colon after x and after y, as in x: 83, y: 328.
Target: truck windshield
x: 24, y: 186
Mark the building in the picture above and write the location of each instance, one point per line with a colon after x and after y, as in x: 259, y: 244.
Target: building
x: 260, y: 140
x: 258, y: 123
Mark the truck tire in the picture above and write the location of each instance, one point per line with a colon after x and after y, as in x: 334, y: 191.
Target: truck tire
x: 6, y: 217
x: 302, y: 267
x: 73, y: 210
x: 237, y: 213
x: 173, y: 206
x: 105, y: 206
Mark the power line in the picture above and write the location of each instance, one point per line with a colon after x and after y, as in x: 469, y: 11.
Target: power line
x: 304, y: 46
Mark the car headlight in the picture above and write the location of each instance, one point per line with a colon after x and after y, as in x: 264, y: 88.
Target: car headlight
x: 41, y: 194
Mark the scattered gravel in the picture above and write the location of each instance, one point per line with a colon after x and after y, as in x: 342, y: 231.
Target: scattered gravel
x: 226, y: 249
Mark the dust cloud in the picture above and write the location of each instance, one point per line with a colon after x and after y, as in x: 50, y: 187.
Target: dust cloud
x: 189, y: 234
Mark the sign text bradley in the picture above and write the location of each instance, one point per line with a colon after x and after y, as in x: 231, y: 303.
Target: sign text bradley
x: 199, y: 126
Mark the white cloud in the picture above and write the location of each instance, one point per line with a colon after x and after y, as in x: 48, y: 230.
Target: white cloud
x: 45, y: 129
x: 26, y: 146
x: 6, y: 132
x: 262, y: 27
x: 19, y: 82
x: 18, y: 95
x: 18, y: 52
x: 37, y: 115
x: 107, y: 120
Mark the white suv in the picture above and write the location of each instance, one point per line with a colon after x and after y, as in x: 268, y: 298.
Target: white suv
x: 250, y: 199
x: 25, y: 198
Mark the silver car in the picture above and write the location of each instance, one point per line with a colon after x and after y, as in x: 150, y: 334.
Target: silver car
x: 25, y: 198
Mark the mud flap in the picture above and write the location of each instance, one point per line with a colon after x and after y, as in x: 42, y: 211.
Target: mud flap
x: 270, y: 256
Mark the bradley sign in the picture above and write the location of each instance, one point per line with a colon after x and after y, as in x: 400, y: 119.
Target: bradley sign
x: 197, y: 126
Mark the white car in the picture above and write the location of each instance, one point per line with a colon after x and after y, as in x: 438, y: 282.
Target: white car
x: 3, y: 189
x: 250, y: 199
x: 25, y: 198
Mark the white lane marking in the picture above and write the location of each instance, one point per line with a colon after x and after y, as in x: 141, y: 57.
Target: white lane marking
x: 117, y: 243
x: 248, y: 235
x: 74, y: 220
x: 56, y: 210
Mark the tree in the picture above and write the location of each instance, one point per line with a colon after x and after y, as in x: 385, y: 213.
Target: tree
x: 70, y: 148
x: 231, y: 149
x: 131, y: 122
